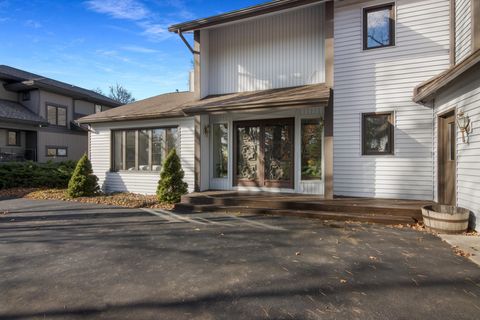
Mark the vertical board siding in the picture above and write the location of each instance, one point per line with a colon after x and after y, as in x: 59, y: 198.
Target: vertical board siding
x: 138, y: 182
x: 281, y: 50
x: 463, y: 29
x: 464, y: 95
x: 383, y: 80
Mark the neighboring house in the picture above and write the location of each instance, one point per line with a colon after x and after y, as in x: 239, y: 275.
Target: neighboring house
x: 313, y: 97
x: 37, y: 117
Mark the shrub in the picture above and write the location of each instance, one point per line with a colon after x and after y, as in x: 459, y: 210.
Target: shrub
x: 171, y: 186
x: 83, y: 182
x: 35, y: 175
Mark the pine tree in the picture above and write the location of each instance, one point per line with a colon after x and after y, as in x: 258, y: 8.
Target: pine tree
x: 171, y: 186
x: 83, y: 182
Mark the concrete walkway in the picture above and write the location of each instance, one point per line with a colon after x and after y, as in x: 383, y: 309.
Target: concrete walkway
x: 469, y: 244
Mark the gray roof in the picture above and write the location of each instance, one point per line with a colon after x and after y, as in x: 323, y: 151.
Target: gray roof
x: 13, y: 111
x: 166, y: 105
x: 180, y: 104
x: 19, y: 80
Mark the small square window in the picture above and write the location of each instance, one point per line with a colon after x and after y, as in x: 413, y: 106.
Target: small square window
x: 51, y: 152
x: 377, y: 133
x: 98, y: 108
x: 56, y: 151
x: 61, y: 152
x: 25, y: 95
x: 13, y: 138
x: 379, y: 26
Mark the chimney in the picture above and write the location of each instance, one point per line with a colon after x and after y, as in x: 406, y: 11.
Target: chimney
x: 191, y: 80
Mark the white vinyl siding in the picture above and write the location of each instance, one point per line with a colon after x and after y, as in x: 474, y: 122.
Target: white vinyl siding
x: 382, y: 80
x: 274, y: 51
x: 138, y: 182
x: 463, y: 29
x: 464, y: 95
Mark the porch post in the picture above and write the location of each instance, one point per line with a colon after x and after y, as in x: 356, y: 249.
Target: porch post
x: 328, y: 116
x: 197, y: 120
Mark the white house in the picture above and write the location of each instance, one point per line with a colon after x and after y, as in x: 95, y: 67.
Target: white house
x: 317, y: 97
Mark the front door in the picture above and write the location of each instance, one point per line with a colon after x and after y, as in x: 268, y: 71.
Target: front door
x: 264, y: 152
x: 447, y: 159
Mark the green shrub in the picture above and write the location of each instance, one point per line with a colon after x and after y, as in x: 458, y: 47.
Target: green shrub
x: 83, y: 182
x: 171, y: 186
x: 35, y: 175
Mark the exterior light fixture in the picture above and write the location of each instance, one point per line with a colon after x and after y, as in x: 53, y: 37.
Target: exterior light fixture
x: 463, y: 122
x: 206, y: 130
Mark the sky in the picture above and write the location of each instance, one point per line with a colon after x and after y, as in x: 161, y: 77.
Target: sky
x: 97, y: 43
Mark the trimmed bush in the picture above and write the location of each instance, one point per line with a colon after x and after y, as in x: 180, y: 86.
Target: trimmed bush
x: 35, y: 175
x: 171, y: 186
x: 83, y: 182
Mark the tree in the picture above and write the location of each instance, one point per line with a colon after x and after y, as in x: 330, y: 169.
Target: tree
x: 171, y: 186
x: 120, y: 94
x: 83, y: 182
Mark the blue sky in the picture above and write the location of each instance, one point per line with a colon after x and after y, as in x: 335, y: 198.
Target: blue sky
x: 97, y: 43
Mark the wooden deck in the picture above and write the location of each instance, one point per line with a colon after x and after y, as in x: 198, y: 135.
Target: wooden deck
x: 386, y: 211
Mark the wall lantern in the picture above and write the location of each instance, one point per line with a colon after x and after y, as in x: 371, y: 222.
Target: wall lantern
x: 463, y: 122
x: 206, y: 130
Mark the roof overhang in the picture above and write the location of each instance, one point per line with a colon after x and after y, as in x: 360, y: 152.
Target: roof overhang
x: 153, y: 115
x: 34, y: 84
x: 27, y: 122
x: 245, y: 13
x: 427, y: 90
x: 315, y: 94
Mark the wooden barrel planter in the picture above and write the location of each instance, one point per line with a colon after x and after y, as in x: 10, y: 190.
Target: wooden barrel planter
x: 445, y: 219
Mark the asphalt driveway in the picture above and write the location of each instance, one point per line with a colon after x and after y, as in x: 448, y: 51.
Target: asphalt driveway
x: 65, y: 260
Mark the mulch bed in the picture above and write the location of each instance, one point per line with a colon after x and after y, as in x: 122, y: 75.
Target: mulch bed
x: 121, y: 199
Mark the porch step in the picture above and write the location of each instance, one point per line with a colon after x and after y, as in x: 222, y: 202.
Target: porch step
x: 339, y: 205
x: 313, y: 214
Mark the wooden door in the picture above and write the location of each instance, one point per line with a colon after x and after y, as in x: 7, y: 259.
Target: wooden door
x: 264, y: 153
x: 447, y: 153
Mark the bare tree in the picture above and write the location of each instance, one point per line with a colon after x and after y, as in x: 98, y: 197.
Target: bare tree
x: 120, y: 94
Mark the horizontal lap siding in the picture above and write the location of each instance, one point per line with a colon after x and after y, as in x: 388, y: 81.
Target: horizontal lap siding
x: 464, y: 95
x: 383, y: 80
x: 138, y: 182
x: 274, y: 51
x: 463, y: 29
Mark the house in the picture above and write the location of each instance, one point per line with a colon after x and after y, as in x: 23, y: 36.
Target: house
x: 37, y: 117
x: 318, y: 97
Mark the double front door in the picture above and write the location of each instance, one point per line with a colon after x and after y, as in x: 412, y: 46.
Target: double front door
x: 264, y: 153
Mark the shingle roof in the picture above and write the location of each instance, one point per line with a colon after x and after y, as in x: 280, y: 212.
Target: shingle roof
x: 13, y: 111
x: 179, y: 104
x: 164, y: 105
x: 23, y: 80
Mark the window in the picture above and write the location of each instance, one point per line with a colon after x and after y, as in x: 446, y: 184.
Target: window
x: 142, y: 149
x: 25, y: 95
x: 311, y: 135
x: 98, y: 108
x: 57, y: 115
x: 377, y: 133
x: 13, y: 138
x: 220, y: 150
x: 379, y: 26
x: 53, y: 151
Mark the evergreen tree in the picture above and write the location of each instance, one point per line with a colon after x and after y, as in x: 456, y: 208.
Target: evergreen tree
x: 171, y: 186
x: 83, y: 182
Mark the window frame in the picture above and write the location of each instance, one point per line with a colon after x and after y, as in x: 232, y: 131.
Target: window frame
x: 391, y: 133
x: 321, y: 119
x: 18, y: 138
x: 57, y: 106
x: 213, y: 169
x: 391, y: 6
x: 56, y: 148
x: 124, y: 155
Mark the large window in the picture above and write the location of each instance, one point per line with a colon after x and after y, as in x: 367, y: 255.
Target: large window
x: 379, y: 26
x: 13, y: 138
x: 220, y: 150
x: 57, y: 115
x: 312, y: 132
x: 377, y: 133
x: 143, y: 149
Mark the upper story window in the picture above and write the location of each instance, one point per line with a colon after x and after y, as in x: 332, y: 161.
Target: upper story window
x: 98, y: 108
x: 379, y: 26
x: 25, y: 95
x: 57, y: 115
x: 377, y: 133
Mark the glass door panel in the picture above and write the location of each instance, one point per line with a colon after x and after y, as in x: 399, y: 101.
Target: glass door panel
x: 278, y: 161
x: 247, y: 154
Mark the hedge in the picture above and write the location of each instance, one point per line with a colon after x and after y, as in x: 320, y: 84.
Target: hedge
x: 34, y: 175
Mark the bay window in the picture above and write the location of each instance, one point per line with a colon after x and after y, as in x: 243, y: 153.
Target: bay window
x: 142, y: 149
